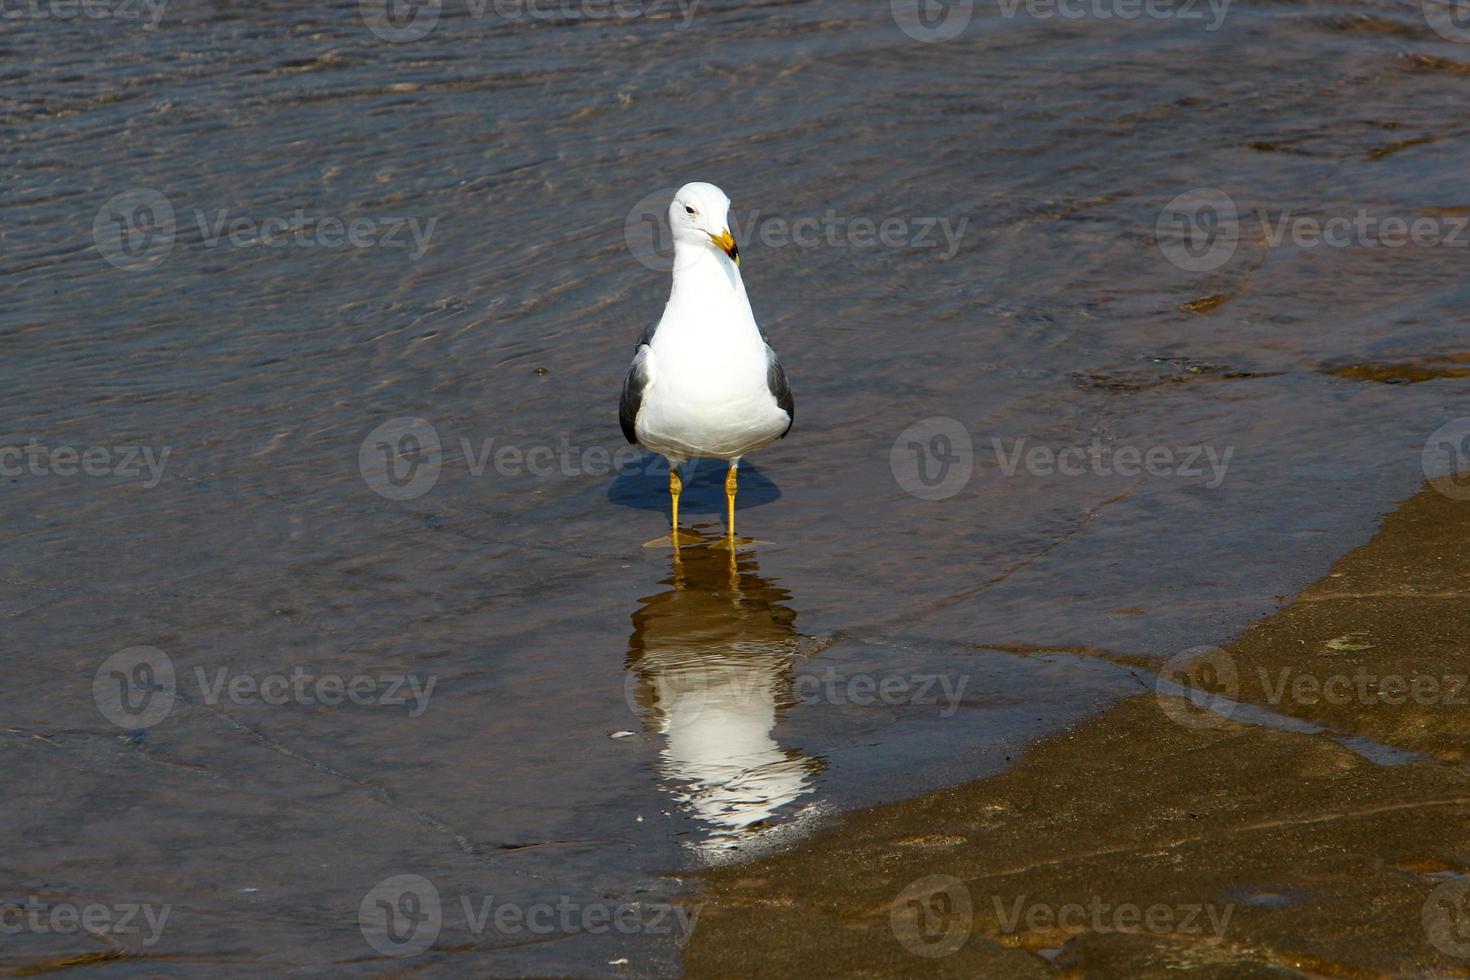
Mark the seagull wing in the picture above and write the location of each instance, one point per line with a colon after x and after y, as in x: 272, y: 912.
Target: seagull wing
x: 780, y: 390
x: 633, y: 386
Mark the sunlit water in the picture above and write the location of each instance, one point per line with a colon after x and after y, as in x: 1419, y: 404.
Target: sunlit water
x: 502, y: 266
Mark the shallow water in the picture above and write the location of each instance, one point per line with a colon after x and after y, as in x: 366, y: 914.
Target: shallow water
x: 271, y: 537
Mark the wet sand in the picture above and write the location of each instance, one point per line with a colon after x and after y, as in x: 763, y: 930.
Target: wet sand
x: 1262, y: 847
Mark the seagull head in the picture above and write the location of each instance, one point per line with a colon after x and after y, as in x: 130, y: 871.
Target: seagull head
x: 700, y: 216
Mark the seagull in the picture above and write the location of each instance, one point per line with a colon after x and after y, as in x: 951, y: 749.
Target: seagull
x: 704, y: 382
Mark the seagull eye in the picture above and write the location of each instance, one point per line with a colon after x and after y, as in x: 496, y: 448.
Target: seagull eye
x: 688, y: 209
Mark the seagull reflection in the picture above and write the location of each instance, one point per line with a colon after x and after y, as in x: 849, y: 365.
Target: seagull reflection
x: 709, y: 667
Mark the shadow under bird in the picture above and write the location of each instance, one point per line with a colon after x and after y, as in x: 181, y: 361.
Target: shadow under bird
x: 704, y: 382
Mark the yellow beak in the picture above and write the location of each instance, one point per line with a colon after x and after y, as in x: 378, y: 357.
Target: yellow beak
x: 726, y: 241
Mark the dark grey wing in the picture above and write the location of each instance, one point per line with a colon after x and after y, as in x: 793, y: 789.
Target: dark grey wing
x: 780, y: 390
x: 633, y: 386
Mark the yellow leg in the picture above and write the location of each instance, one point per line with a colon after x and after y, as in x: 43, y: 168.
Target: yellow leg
x: 676, y: 537
x: 731, y: 483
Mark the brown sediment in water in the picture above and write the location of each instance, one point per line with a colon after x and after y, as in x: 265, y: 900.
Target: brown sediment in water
x: 70, y: 963
x: 1158, y: 373
x: 1206, y: 304
x: 1404, y: 372
x: 1295, y: 853
x: 1429, y: 62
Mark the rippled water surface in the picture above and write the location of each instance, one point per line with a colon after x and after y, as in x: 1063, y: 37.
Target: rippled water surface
x: 495, y: 170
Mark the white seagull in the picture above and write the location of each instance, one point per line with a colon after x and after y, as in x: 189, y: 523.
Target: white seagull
x: 704, y: 382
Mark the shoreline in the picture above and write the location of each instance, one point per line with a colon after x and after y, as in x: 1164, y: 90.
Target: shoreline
x: 1160, y: 835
